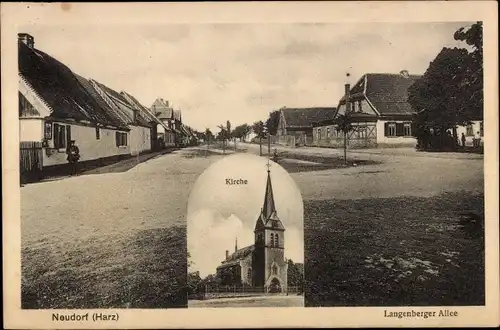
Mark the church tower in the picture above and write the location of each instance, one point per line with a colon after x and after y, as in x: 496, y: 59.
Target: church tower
x: 269, y: 264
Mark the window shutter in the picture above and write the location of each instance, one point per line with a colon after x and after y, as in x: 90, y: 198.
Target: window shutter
x: 399, y: 129
x: 386, y: 129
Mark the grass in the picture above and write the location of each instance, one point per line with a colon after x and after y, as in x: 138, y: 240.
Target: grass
x: 395, y: 252
x: 146, y: 269
x: 320, y: 162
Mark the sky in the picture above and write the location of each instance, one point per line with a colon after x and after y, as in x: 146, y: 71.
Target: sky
x: 216, y: 221
x: 241, y: 72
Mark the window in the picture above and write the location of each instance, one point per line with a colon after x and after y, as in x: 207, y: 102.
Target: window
x: 121, y: 139
x: 48, y: 131
x: 328, y: 132
x: 97, y: 133
x: 481, y: 128
x: 259, y: 237
x: 249, y: 275
x: 319, y: 134
x: 361, y: 130
x: 272, y: 239
x: 274, y: 270
x: 469, y: 130
x: 276, y: 240
x: 60, y: 136
x: 360, y: 109
x: 407, y: 129
x: 390, y: 129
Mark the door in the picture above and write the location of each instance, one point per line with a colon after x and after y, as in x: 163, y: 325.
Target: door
x: 68, y: 135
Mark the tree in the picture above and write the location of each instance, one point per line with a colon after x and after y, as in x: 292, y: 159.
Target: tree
x: 295, y: 276
x: 260, y: 130
x: 344, y: 124
x: 209, y: 136
x: 241, y: 132
x: 272, y: 122
x: 225, y: 134
x: 450, y: 92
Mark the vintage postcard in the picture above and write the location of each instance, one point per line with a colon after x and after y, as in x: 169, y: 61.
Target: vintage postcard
x: 218, y: 165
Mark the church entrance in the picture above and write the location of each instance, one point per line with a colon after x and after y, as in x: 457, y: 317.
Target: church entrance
x: 274, y: 286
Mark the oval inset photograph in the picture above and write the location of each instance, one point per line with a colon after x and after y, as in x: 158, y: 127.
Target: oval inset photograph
x: 245, y: 236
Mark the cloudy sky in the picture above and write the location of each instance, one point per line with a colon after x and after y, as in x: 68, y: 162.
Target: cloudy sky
x: 241, y: 72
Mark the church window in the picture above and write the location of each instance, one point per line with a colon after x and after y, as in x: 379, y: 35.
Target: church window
x: 249, y: 275
x: 272, y: 239
x: 274, y: 270
x: 276, y: 240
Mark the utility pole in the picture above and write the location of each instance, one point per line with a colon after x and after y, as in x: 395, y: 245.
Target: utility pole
x: 347, y: 113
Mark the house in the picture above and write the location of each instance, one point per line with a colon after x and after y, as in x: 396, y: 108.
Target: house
x: 262, y: 264
x: 140, y: 126
x: 381, y: 114
x: 168, y: 133
x: 54, y: 108
x: 155, y: 123
x: 295, y: 126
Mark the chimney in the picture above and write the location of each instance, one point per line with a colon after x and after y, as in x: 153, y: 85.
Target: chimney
x: 227, y: 254
x: 167, y: 103
x: 27, y: 39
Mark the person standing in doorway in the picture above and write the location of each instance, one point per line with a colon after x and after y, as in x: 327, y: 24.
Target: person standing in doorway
x: 73, y: 157
x: 463, y: 140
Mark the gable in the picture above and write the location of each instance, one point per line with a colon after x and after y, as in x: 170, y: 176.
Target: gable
x: 40, y: 108
x: 388, y: 93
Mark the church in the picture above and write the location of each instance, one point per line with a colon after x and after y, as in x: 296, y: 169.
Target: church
x: 262, y: 264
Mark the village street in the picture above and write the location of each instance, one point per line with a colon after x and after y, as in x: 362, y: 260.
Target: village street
x: 118, y: 239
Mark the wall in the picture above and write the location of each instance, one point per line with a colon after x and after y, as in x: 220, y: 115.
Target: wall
x: 403, y: 141
x: 246, y: 264
x: 90, y: 148
x: 336, y: 139
x: 140, y: 139
x: 30, y: 129
x: 468, y: 139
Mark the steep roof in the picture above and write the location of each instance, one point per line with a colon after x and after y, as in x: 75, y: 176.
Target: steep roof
x: 268, y: 217
x: 239, y: 254
x: 145, y: 112
x: 162, y: 110
x: 123, y: 104
x: 59, y: 87
x: 387, y: 92
x: 305, y: 117
x: 101, y: 102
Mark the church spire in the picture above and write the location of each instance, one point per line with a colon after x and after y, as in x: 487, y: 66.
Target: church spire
x: 269, y: 207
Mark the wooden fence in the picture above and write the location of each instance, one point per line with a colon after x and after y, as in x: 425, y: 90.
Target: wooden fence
x: 30, y: 160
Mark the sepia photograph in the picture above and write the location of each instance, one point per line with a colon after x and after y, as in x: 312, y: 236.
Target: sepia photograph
x: 283, y: 166
x: 391, y: 169
x: 234, y: 203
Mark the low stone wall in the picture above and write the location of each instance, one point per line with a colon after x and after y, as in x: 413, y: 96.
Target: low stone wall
x: 220, y: 295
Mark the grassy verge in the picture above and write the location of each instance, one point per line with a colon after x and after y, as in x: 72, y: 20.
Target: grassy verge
x: 395, y: 252
x: 146, y: 269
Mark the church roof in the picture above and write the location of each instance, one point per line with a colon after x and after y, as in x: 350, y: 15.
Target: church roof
x: 239, y: 254
x: 268, y: 217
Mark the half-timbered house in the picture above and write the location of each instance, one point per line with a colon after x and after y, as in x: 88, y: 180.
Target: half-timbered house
x: 380, y: 112
x: 295, y: 126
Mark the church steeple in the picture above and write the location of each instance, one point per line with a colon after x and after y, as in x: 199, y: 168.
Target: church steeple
x: 268, y: 217
x: 269, y: 207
